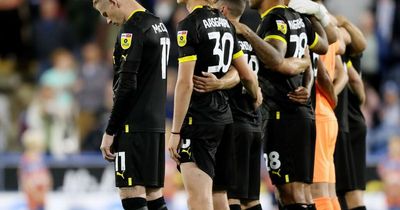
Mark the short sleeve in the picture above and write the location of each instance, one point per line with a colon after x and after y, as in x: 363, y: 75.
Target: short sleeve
x: 311, y: 34
x: 276, y: 28
x: 187, y: 41
x: 237, y: 50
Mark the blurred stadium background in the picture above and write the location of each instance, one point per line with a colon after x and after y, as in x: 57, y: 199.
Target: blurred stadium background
x: 55, y: 96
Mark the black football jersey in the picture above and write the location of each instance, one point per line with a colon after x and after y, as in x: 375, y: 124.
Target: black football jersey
x: 342, y: 107
x: 140, y: 63
x: 286, y: 25
x: 241, y: 103
x: 207, y: 37
x: 355, y: 114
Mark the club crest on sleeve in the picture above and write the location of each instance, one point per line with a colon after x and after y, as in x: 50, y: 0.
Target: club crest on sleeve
x: 126, y: 40
x: 182, y: 38
x: 281, y: 25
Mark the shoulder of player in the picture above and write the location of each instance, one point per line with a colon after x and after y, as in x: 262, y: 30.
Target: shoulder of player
x: 276, y: 14
x: 141, y: 23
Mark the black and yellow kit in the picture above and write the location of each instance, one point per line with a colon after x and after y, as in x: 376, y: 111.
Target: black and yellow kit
x: 290, y: 127
x: 138, y: 116
x: 208, y: 38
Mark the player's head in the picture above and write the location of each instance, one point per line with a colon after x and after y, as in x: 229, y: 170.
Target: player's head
x: 111, y: 10
x: 231, y: 8
x: 286, y: 2
x: 255, y: 4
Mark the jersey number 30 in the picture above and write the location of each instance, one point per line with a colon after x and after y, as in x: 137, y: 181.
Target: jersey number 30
x: 223, y: 47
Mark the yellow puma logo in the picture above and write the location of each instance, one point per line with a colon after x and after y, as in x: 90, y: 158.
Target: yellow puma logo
x: 278, y: 173
x: 187, y: 152
x: 121, y: 174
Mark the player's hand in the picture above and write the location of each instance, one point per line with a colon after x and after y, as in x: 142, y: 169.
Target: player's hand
x: 106, y: 147
x: 304, y: 6
x: 173, y: 144
x: 259, y: 99
x: 341, y: 20
x: 207, y: 83
x: 239, y: 27
x: 300, y: 95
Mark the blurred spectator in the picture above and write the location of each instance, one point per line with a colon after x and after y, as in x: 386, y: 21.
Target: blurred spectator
x: 93, y: 74
x: 369, y: 61
x: 5, y: 121
x: 390, y: 115
x: 179, y: 14
x: 378, y: 137
x: 49, y: 33
x: 164, y: 9
x: 53, y: 110
x: 83, y: 19
x: 10, y: 37
x: 61, y: 77
x: 42, y: 115
x: 34, y: 177
x: 389, y: 171
x: 388, y: 33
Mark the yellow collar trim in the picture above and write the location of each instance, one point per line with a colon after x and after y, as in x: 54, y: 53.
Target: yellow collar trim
x: 197, y: 7
x: 135, y: 11
x: 270, y: 9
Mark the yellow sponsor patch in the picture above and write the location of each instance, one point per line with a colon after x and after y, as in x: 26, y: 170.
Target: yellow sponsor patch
x: 182, y: 38
x: 281, y: 26
x: 126, y: 40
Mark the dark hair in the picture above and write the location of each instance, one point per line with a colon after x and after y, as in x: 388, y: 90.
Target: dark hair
x: 236, y: 7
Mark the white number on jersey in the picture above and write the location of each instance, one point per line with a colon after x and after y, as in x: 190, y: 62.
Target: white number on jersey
x: 301, y: 42
x: 166, y: 44
x: 272, y: 160
x: 220, y: 51
x: 120, y: 161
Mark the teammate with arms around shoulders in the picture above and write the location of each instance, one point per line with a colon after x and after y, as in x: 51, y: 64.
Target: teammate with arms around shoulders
x: 135, y: 135
x: 207, y: 42
x: 289, y: 33
x: 246, y: 133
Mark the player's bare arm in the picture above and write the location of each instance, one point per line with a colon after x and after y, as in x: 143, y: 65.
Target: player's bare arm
x: 183, y: 92
x: 341, y: 78
x: 247, y: 77
x: 272, y: 56
x: 320, y: 12
x: 209, y: 82
x: 266, y: 53
x: 356, y: 84
x: 302, y: 94
x: 358, y: 41
x: 321, y: 46
x: 325, y: 85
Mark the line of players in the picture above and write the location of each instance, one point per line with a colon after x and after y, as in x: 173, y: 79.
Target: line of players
x: 306, y: 112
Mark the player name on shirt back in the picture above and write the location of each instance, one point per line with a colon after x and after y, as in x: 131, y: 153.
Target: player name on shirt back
x: 216, y: 22
x: 245, y: 45
x: 296, y: 24
x: 159, y: 28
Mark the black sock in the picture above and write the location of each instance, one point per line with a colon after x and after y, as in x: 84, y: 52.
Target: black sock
x: 157, y: 204
x: 256, y: 207
x: 311, y: 207
x: 134, y: 204
x: 359, y: 208
x: 234, y: 207
x: 296, y: 206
